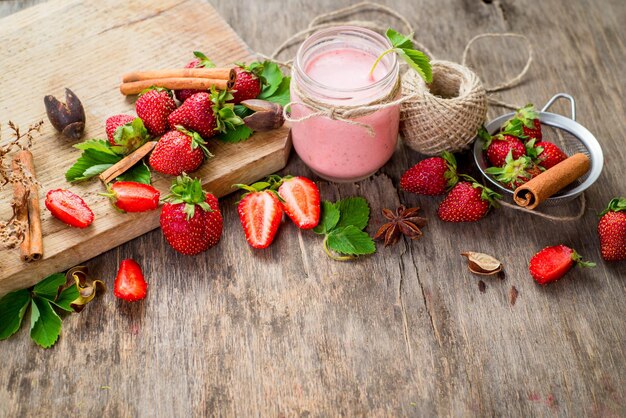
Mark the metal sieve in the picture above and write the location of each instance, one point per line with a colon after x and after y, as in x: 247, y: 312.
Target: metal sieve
x: 568, y: 134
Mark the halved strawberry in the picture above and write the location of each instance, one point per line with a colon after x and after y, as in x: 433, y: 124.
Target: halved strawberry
x: 131, y: 196
x: 301, y: 201
x: 130, y: 284
x: 551, y: 263
x: 69, y: 208
x: 260, y: 213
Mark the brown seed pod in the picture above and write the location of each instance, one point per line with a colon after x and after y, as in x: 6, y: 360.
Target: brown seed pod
x: 482, y: 264
x: 67, y: 118
x: 266, y: 116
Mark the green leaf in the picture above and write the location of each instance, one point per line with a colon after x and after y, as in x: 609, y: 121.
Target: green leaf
x: 129, y: 137
x: 272, y: 77
x: 12, y: 308
x: 45, y: 323
x: 94, y: 170
x: 48, y: 288
x: 99, y: 145
x: 66, y: 297
x: 418, y: 61
x: 350, y: 240
x: 240, y: 133
x: 139, y: 173
x: 398, y: 40
x: 242, y: 111
x: 97, y: 156
x: 329, y: 218
x: 282, y: 95
x: 354, y: 211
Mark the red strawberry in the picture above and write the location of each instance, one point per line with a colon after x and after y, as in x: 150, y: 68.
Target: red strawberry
x: 131, y: 196
x: 301, y: 201
x: 115, y: 122
x: 468, y: 201
x: 498, y: 146
x: 545, y: 153
x: 432, y: 176
x: 528, y: 119
x: 612, y: 230
x: 191, y: 220
x: 207, y: 114
x: 551, y: 263
x: 69, y: 208
x: 260, y: 213
x: 248, y: 83
x: 130, y: 284
x: 154, y: 107
x: 179, y: 151
x: 516, y: 172
x: 201, y: 61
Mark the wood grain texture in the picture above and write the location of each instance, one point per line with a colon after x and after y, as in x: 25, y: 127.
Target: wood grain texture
x: 288, y: 332
x: 88, y: 46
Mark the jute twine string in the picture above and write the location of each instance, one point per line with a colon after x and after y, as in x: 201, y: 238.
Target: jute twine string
x: 444, y: 116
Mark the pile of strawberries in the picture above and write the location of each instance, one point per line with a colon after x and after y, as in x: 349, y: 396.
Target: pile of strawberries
x: 517, y: 152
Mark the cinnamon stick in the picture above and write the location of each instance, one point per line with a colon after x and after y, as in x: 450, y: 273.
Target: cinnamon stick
x: 211, y: 73
x: 546, y: 184
x: 176, y: 83
x: 126, y: 163
x: 29, y: 210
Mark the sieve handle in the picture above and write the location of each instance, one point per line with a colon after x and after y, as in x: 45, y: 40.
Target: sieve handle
x: 562, y: 96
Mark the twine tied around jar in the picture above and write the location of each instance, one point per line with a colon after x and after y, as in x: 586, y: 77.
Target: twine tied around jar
x: 430, y: 122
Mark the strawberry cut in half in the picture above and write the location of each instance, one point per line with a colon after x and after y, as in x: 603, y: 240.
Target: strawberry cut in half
x: 69, y: 208
x: 260, y: 212
x: 432, y: 176
x: 612, y: 230
x: 300, y: 199
x: 551, y: 263
x: 131, y: 196
x: 130, y: 285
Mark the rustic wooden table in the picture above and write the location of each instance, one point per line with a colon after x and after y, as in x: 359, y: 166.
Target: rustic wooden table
x: 287, y: 331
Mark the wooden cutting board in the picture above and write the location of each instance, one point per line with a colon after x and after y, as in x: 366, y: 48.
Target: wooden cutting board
x: 86, y: 46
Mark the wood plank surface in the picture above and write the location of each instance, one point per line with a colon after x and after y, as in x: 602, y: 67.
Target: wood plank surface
x: 288, y: 332
x: 87, y: 46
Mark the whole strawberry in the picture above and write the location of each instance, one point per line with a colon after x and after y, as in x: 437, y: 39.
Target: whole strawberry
x: 497, y: 147
x: 114, y: 122
x: 248, y: 83
x: 545, y: 154
x: 207, y: 114
x: 551, y: 263
x: 612, y: 230
x: 154, y: 107
x: 201, y: 61
x: 179, y: 151
x: 515, y: 172
x: 529, y: 120
x: 432, y: 176
x: 468, y: 201
x: 191, y: 220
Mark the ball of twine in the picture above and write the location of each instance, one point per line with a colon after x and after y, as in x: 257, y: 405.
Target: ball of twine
x: 445, y: 115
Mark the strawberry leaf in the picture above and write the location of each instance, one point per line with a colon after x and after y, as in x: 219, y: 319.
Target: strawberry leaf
x: 350, y: 240
x: 204, y: 61
x: 329, y: 218
x: 139, y: 173
x: 67, y: 296
x: 354, y: 211
x: 282, y: 94
x: 49, y: 287
x: 12, y: 309
x: 97, y: 156
x: 45, y: 326
x: 240, y: 133
x: 271, y: 77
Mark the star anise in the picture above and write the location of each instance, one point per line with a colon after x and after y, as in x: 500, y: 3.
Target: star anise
x: 403, y: 221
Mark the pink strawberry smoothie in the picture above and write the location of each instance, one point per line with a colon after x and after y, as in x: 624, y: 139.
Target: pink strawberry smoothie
x: 336, y: 150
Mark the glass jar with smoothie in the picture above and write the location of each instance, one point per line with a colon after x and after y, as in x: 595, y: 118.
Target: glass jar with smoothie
x: 333, y: 67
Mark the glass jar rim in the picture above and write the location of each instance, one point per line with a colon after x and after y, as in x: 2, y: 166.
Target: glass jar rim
x: 375, y: 36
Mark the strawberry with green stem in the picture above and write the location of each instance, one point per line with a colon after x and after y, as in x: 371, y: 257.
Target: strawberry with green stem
x: 131, y: 196
x: 551, y: 263
x: 200, y: 61
x: 515, y: 172
x: 300, y: 199
x: 190, y: 219
x: 207, y: 114
x: 126, y: 133
x: 179, y: 151
x: 612, y: 230
x: 248, y: 83
x: 498, y: 146
x: 544, y: 153
x: 468, y: 201
x: 154, y: 106
x: 260, y: 212
x: 432, y: 176
x: 528, y: 118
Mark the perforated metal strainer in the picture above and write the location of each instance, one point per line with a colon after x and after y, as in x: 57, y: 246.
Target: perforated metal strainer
x: 568, y: 134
